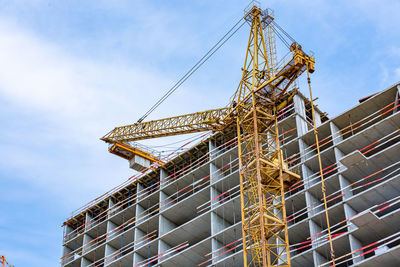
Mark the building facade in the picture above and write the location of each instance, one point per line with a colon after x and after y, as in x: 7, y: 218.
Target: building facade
x: 187, y: 212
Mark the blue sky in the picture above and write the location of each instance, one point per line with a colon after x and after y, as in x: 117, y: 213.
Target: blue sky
x: 72, y: 70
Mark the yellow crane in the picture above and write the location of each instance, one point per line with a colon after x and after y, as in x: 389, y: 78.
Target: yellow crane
x: 264, y: 176
x: 3, y: 261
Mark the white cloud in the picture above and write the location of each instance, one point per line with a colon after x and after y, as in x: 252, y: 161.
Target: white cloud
x: 38, y: 75
x: 68, y: 103
x: 73, y: 93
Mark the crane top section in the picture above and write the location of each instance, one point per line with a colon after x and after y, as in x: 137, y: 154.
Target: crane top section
x: 267, y: 15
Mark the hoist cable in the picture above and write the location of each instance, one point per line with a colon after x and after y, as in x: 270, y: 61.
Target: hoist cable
x: 199, y: 63
x: 280, y: 36
x: 284, y: 32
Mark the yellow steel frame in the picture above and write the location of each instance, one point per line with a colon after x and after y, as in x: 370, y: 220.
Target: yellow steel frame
x: 264, y: 176
x: 263, y: 213
x: 210, y: 120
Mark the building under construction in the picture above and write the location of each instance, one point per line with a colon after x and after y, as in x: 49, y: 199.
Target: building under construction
x: 311, y: 190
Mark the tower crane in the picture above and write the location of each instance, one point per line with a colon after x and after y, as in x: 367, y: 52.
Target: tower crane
x: 3, y: 261
x: 264, y: 89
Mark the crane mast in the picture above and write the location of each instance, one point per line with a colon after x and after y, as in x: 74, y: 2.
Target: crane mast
x: 264, y: 176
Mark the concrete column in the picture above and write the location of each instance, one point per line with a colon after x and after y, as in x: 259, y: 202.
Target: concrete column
x: 163, y: 178
x: 165, y: 225
x: 66, y: 251
x: 85, y: 262
x: 310, y: 199
x: 216, y: 247
x: 354, y: 245
x: 338, y: 155
x: 140, y: 214
x: 318, y: 258
x: 139, y: 238
x: 108, y: 252
x: 163, y: 246
x: 88, y: 221
x: 354, y: 242
x: 317, y: 117
x: 314, y: 230
x: 305, y: 151
x: 137, y: 258
x: 215, y: 173
x: 140, y: 211
x: 397, y: 98
x: 141, y: 192
x: 86, y: 237
x: 110, y: 227
x: 336, y: 135
x: 67, y: 229
x: 165, y: 201
x: 214, y: 193
x: 299, y: 108
x: 299, y: 105
x: 212, y: 149
x: 344, y: 183
x: 217, y: 224
x: 111, y: 209
x: 349, y: 212
x: 306, y: 173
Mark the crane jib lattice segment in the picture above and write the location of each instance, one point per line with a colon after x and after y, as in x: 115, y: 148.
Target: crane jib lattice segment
x: 189, y: 123
x: 264, y: 176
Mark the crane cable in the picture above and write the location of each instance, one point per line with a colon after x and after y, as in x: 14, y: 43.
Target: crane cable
x: 280, y: 37
x: 199, y: 63
x: 276, y: 28
x: 284, y: 32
